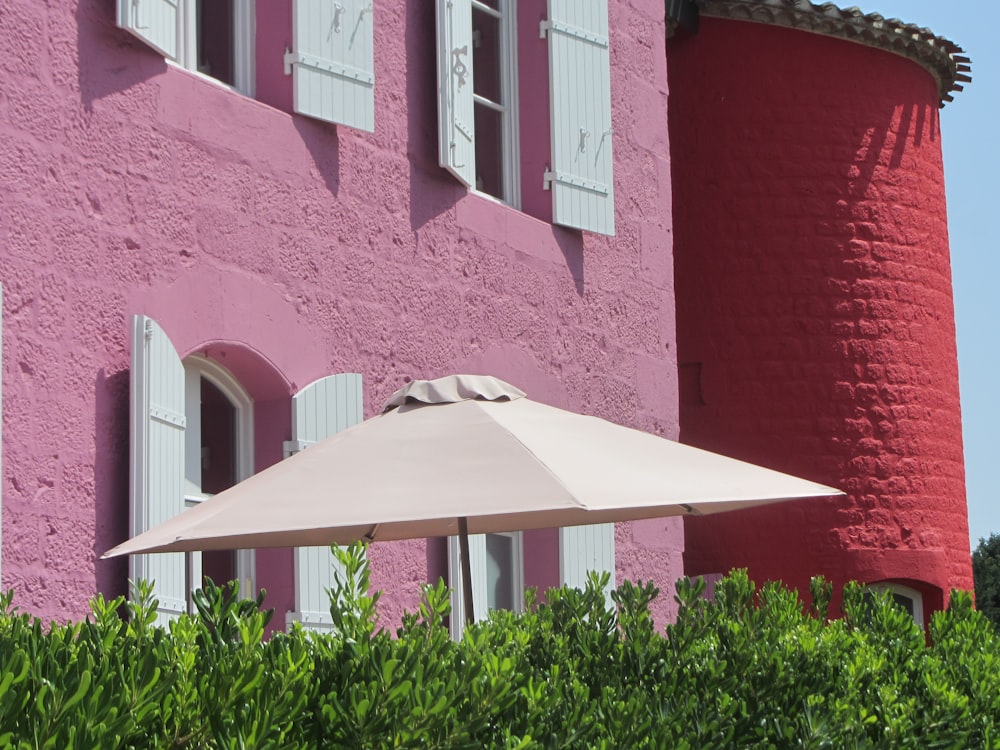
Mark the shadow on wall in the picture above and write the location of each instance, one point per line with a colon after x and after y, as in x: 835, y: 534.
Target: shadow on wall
x: 570, y: 242
x: 906, y: 124
x: 323, y: 143
x: 97, y: 74
x: 102, y: 73
x: 432, y: 190
x: 111, y: 471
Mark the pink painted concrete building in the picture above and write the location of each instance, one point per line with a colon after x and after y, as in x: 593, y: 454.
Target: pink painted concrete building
x: 271, y: 249
x: 227, y: 230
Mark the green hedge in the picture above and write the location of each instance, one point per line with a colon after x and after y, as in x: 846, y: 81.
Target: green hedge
x: 750, y: 669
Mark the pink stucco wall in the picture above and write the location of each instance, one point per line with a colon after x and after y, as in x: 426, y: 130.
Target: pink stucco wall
x: 290, y: 249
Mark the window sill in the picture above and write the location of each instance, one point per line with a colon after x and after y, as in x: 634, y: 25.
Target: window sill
x: 207, y: 78
x: 517, y: 231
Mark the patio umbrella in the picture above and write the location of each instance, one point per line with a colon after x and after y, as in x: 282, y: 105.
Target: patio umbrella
x: 466, y: 455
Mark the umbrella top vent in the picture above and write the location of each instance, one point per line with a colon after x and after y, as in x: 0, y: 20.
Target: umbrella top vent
x: 453, y: 388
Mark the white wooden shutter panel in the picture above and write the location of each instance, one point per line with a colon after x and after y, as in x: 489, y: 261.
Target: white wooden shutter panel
x: 581, y: 176
x: 322, y: 408
x: 583, y: 549
x: 157, y: 458
x: 456, y: 107
x: 477, y: 561
x: 332, y: 62
x: 156, y: 22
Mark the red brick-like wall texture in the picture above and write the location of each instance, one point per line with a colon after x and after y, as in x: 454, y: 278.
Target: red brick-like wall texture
x: 814, y: 304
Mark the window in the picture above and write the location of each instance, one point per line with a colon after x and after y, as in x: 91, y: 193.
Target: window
x: 331, y: 62
x: 218, y: 453
x: 497, y: 565
x: 223, y: 41
x: 214, y: 37
x: 497, y: 562
x: 906, y: 597
x: 192, y: 427
x: 479, y: 100
x: 504, y: 571
x: 494, y: 88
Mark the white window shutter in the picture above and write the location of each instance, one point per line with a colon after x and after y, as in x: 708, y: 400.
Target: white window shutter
x: 157, y: 458
x: 581, y: 176
x: 156, y: 22
x: 456, y: 108
x: 477, y: 563
x: 332, y: 62
x: 583, y: 549
x: 322, y: 408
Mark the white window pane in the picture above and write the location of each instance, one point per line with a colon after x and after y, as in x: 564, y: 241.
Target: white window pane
x: 486, y: 56
x: 499, y: 571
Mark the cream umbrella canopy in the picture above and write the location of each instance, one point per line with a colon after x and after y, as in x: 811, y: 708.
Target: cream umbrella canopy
x: 467, y: 454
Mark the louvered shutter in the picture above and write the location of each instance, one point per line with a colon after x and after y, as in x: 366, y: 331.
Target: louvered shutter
x: 583, y: 549
x: 332, y: 62
x: 157, y: 458
x: 478, y: 564
x: 322, y: 408
x: 456, y: 108
x: 156, y: 22
x: 581, y: 176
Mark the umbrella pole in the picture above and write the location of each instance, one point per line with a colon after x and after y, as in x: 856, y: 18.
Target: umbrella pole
x: 463, y: 545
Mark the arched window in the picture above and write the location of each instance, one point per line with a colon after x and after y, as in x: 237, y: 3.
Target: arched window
x: 192, y: 436
x: 906, y: 597
x: 218, y: 453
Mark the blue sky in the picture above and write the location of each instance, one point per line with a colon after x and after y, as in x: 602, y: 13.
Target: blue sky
x: 971, y: 141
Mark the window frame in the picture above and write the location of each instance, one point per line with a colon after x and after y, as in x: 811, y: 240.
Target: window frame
x: 332, y: 80
x: 509, y: 107
x: 196, y: 368
x: 244, y: 33
x: 914, y: 595
x: 578, y: 169
x: 477, y: 548
x: 517, y: 566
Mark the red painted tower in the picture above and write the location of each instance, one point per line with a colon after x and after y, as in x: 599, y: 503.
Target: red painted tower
x: 814, y: 301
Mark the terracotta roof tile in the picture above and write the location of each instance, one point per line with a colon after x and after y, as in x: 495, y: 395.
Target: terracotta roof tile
x: 944, y: 59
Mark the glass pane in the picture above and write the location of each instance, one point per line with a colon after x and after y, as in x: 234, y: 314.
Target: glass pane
x: 215, y: 39
x: 489, y: 151
x: 499, y: 571
x: 218, y: 440
x: 486, y: 56
x: 903, y: 601
x: 220, y: 567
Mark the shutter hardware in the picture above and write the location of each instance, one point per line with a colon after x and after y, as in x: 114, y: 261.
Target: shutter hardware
x: 327, y: 66
x: 167, y: 416
x: 564, y: 178
x: 291, y: 447
x: 574, y: 31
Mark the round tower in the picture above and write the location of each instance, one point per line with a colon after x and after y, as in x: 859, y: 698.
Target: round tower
x: 815, y: 320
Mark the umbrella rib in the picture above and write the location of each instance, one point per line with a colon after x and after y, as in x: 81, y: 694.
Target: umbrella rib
x: 526, y: 449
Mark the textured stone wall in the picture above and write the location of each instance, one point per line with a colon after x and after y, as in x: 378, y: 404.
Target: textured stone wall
x: 297, y: 249
x: 815, y: 319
